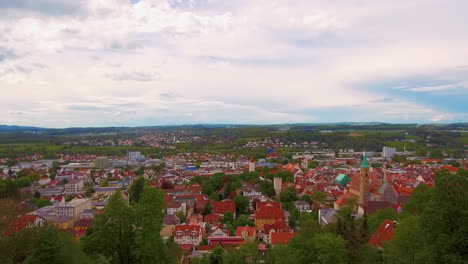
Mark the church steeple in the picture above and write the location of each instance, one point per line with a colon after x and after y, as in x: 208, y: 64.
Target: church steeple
x: 364, y: 181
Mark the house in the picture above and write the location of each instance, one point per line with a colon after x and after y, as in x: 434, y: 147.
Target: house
x: 174, y: 208
x: 268, y: 213
x: 220, y: 208
x: 63, y: 222
x: 187, y: 234
x: 23, y: 222
x: 247, y: 232
x: 302, y: 206
x: 277, y: 227
x: 219, y: 232
x: 44, y: 180
x: 83, y: 224
x: 212, y: 219
x: 74, y: 187
x: 281, y: 238
x: 195, y: 219
x: 384, y: 233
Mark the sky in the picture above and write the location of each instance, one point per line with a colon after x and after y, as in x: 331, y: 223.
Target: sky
x: 67, y: 63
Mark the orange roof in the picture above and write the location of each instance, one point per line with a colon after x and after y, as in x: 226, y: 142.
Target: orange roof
x: 281, y: 238
x: 385, y: 233
x: 450, y: 168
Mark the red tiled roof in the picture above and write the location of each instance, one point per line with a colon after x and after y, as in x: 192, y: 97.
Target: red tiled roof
x: 212, y: 218
x: 187, y: 230
x: 224, y: 207
x: 450, y: 168
x: 279, y: 226
x: 385, y: 233
x: 207, y: 247
x: 250, y: 230
x: 269, y: 211
x: 281, y: 238
x: 260, y: 204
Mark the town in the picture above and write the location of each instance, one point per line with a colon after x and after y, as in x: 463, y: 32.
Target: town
x: 223, y: 207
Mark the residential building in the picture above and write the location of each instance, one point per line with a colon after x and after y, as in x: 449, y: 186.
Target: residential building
x: 269, y: 213
x: 188, y: 234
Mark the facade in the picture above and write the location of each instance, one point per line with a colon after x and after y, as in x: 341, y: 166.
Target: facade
x: 74, y: 187
x: 73, y: 209
x: 187, y: 234
x: 388, y: 153
x: 302, y: 206
x: 101, y: 163
x: 174, y: 208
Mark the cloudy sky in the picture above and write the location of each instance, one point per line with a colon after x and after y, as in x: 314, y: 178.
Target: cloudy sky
x: 155, y: 62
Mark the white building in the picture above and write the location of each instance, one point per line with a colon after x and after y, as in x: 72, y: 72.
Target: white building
x: 188, y: 234
x: 74, y: 187
x: 388, y: 153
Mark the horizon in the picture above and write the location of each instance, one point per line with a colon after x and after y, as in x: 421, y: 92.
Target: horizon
x: 372, y: 123
x: 135, y: 63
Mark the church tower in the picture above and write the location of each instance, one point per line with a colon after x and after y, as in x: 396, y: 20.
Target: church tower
x: 364, y: 181
x: 277, y: 185
x: 251, y: 164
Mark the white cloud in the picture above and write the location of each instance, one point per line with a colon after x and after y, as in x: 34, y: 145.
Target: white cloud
x: 241, y: 61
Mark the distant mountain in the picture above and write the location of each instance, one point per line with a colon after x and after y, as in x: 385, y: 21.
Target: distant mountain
x: 7, y: 128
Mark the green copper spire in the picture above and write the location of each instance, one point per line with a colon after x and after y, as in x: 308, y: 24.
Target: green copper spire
x: 365, y: 162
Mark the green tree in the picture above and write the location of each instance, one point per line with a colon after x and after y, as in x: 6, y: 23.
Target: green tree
x: 288, y: 195
x: 313, y: 164
x: 149, y: 247
x: 137, y: 189
x: 243, y: 220
x: 47, y: 247
x: 444, y: 218
x: 208, y: 209
x: 113, y: 232
x: 242, y: 203
x: 306, y: 198
x: 319, y: 196
x: 43, y: 202
x: 409, y: 244
x: 293, y: 217
x: 329, y: 248
x: 217, y: 256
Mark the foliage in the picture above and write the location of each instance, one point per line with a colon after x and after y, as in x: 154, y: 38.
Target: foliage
x: 288, y: 195
x: 242, y: 203
x: 137, y: 189
x: 306, y: 198
x: 43, y: 202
